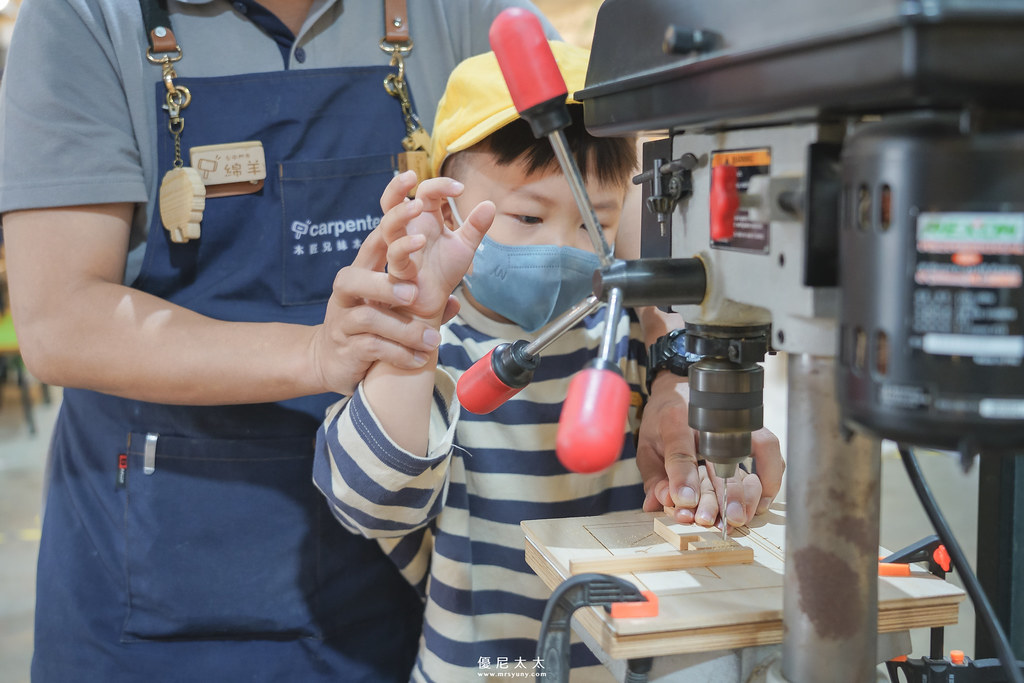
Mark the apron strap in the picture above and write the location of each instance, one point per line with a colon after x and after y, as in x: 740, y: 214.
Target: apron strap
x: 396, y: 22
x: 157, y: 21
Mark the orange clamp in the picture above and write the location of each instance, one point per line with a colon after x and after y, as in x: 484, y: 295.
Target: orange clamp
x: 942, y: 558
x: 633, y: 610
x: 893, y: 569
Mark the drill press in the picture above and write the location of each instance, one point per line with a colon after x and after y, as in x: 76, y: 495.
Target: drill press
x: 871, y: 217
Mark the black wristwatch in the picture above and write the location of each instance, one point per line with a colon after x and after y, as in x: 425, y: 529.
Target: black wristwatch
x: 669, y: 353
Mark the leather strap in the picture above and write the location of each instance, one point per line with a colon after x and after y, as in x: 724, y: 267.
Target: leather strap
x: 396, y: 22
x: 157, y: 21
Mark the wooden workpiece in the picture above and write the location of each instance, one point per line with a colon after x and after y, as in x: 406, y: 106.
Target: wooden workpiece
x: 710, y: 607
x: 694, y: 537
x: 690, y: 546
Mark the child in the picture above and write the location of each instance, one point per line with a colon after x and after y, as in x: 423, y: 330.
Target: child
x: 445, y: 490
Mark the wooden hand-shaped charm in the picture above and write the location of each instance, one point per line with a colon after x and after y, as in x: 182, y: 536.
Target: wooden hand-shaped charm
x: 182, y: 200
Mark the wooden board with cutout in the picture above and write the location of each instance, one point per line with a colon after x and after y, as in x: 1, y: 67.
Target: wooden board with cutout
x: 709, y: 607
x: 685, y: 547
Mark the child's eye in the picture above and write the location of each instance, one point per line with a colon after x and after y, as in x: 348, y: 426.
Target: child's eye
x: 529, y: 220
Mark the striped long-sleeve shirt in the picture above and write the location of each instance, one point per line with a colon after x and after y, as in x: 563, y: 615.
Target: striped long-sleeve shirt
x: 450, y: 520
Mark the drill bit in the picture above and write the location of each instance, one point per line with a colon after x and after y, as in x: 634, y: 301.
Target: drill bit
x: 724, y: 471
x: 725, y: 499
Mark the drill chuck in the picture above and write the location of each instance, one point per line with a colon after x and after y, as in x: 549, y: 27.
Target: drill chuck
x: 726, y: 405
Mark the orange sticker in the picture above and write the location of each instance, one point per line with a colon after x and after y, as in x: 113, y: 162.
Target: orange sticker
x: 635, y: 610
x: 746, y: 157
x: 967, y: 258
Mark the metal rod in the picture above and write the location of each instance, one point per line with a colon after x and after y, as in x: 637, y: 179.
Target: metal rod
x: 830, y: 587
x: 607, y: 349
x: 579, y: 193
x: 561, y: 324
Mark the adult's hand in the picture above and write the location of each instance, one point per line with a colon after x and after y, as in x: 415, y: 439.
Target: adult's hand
x: 372, y: 314
x: 666, y: 457
x: 750, y: 494
x: 362, y: 325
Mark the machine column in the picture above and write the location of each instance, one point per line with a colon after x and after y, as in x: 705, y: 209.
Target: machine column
x: 830, y: 595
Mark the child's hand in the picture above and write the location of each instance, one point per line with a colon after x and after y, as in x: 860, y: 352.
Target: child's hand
x: 421, y: 249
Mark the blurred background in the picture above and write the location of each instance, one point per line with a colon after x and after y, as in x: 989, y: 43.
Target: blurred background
x: 8, y: 11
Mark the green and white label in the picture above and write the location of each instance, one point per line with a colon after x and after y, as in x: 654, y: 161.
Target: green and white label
x: 980, y: 233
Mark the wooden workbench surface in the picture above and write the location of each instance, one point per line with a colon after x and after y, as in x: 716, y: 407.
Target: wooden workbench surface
x: 708, y: 608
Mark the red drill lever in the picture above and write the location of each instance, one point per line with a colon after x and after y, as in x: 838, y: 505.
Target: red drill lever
x: 539, y: 94
x: 496, y: 377
x: 592, y: 425
x: 503, y: 372
x: 531, y: 73
x: 591, y: 428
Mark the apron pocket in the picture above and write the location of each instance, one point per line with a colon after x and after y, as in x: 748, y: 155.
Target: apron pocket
x: 221, y: 539
x: 328, y: 208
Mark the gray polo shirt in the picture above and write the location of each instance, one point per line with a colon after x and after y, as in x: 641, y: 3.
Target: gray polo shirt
x: 77, y: 106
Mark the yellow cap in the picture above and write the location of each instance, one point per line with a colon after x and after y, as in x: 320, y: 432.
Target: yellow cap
x: 476, y: 101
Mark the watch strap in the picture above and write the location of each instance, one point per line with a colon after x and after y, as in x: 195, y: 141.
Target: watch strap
x: 664, y: 354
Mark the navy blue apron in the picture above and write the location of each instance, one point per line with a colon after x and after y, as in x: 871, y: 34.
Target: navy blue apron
x: 189, y: 543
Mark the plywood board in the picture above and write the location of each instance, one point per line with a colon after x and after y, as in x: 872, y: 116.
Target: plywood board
x: 708, y: 608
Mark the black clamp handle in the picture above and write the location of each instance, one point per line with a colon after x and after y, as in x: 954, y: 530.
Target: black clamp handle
x: 929, y: 549
x: 582, y: 590
x: 928, y: 670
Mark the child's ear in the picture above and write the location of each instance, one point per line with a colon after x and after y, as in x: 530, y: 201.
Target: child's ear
x: 449, y: 217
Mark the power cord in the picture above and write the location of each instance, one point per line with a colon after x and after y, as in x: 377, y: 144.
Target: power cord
x: 982, y: 607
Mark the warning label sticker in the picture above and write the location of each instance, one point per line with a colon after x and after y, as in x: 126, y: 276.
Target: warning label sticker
x: 748, y: 234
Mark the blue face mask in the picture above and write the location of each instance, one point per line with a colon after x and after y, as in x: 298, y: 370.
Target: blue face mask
x: 532, y: 285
